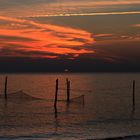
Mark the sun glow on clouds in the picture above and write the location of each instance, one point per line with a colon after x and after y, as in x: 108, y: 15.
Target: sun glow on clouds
x: 27, y: 38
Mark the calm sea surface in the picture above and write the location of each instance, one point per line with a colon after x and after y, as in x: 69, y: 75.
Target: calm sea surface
x: 104, y: 111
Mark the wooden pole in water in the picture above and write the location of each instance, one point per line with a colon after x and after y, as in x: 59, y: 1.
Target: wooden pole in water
x: 5, y: 91
x: 67, y: 87
x: 56, y: 93
x: 68, y: 90
x: 133, y: 100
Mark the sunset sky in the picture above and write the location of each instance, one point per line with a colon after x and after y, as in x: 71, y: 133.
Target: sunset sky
x: 78, y: 35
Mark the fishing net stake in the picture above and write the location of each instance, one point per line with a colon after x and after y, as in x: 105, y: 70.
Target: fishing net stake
x: 5, y: 90
x: 56, y: 94
x: 68, y: 90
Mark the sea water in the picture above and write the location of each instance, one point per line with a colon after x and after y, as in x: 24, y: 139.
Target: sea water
x: 104, y: 111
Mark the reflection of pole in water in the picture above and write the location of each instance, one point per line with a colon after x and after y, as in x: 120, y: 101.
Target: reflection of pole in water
x: 67, y: 107
x: 5, y: 104
x: 56, y: 119
x: 132, y: 113
x: 55, y: 112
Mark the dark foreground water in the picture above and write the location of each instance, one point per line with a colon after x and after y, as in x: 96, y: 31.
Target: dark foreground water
x: 104, y: 111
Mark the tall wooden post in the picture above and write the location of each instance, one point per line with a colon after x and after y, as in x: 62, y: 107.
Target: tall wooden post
x: 133, y: 99
x: 5, y: 90
x: 68, y: 89
x: 56, y: 93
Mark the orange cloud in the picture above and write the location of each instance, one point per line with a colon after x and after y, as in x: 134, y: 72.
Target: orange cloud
x: 28, y: 38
